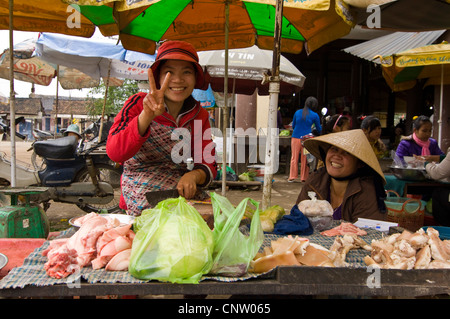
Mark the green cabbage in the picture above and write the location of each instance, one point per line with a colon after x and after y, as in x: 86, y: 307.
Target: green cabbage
x: 173, y: 243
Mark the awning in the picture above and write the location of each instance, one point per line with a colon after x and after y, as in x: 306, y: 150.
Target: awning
x: 393, y: 43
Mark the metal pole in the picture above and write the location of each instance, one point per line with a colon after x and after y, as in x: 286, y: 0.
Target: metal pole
x: 225, y: 108
x: 12, y: 108
x: 100, y: 132
x: 441, y: 101
x: 274, y: 90
x: 56, y: 103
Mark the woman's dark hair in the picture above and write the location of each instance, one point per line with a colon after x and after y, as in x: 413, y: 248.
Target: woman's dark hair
x: 311, y: 103
x: 420, y: 120
x: 330, y: 122
x: 370, y: 123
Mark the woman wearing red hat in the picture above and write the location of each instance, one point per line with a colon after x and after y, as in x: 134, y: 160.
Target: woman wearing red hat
x: 155, y: 133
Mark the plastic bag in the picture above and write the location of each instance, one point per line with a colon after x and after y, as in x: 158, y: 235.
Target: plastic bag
x: 314, y: 207
x: 233, y: 250
x: 173, y: 243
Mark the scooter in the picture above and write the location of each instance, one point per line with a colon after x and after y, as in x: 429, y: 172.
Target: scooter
x: 69, y: 174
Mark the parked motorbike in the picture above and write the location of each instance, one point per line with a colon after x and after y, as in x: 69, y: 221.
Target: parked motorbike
x: 84, y: 177
x: 41, y: 135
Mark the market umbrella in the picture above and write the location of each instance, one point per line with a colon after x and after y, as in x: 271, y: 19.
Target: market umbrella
x: 94, y: 57
x: 141, y: 24
x: 45, y: 16
x: 29, y: 68
x: 32, y: 69
x: 247, y: 71
x: 205, y: 24
x: 432, y: 62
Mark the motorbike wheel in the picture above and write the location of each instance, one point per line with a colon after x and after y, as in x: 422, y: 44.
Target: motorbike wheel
x: 107, y: 174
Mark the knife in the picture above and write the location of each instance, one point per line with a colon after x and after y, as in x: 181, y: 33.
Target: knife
x: 153, y: 198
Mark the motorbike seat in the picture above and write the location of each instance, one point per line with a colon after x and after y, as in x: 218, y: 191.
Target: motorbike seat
x: 60, y: 148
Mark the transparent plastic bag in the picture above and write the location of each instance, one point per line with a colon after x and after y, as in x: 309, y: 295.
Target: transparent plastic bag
x: 173, y: 244
x: 233, y: 250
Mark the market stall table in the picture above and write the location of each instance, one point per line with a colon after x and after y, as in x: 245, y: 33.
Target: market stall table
x: 288, y: 281
x: 404, y: 187
x: 356, y: 280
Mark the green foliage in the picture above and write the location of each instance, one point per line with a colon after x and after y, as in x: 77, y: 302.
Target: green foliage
x: 116, y: 97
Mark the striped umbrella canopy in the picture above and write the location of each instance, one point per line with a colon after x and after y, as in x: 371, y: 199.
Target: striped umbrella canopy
x: 143, y: 23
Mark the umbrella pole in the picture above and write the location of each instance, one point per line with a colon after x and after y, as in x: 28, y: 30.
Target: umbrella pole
x: 12, y: 109
x: 225, y: 108
x: 274, y: 90
x: 441, y: 100
x: 233, y: 106
x: 100, y: 131
x: 56, y: 105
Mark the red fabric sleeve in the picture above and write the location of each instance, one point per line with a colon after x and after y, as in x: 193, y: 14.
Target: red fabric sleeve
x: 124, y: 140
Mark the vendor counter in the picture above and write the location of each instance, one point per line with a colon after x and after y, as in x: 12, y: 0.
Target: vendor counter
x: 404, y: 187
x: 30, y: 280
x: 286, y: 281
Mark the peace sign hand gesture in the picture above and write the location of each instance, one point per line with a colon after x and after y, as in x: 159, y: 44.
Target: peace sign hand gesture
x: 153, y: 103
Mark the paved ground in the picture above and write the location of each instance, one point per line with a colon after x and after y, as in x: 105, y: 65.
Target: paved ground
x: 283, y: 193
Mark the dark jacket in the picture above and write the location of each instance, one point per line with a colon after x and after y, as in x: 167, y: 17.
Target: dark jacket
x: 360, y: 199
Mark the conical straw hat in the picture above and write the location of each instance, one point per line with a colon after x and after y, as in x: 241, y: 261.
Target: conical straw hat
x: 353, y: 141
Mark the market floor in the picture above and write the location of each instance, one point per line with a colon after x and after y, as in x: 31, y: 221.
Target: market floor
x: 283, y: 193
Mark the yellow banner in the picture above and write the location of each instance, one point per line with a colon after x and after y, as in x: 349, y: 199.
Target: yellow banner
x: 421, y: 60
x: 319, y: 5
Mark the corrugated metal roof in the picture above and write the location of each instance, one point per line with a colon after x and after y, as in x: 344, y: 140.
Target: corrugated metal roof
x: 393, y: 43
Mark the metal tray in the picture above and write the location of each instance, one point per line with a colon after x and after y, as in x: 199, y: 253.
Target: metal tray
x: 3, y: 260
x: 409, y: 174
x: 123, y: 219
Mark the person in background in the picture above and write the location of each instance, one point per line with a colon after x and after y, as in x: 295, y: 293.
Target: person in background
x: 142, y: 136
x: 73, y: 130
x: 420, y: 142
x: 335, y: 123
x: 371, y: 127
x: 279, y: 120
x: 399, y: 131
x: 351, y: 180
x: 440, y: 171
x: 302, y: 123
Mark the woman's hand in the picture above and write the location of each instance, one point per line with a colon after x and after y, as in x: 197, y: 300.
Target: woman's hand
x: 153, y: 104
x: 187, y: 186
x: 427, y: 158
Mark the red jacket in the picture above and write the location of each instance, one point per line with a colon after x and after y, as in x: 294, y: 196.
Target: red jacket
x: 124, y: 140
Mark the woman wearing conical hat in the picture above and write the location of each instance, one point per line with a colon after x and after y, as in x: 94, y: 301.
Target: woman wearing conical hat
x: 351, y: 180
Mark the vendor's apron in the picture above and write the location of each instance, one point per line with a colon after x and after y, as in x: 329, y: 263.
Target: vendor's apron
x: 151, y: 169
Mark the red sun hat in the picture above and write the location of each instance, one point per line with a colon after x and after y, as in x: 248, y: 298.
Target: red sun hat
x: 180, y: 50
